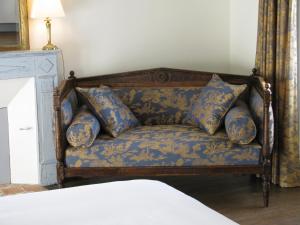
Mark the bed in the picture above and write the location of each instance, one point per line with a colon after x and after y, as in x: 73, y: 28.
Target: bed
x: 136, y: 202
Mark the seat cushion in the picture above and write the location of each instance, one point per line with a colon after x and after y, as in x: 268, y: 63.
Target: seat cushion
x: 163, y: 145
x: 214, y: 101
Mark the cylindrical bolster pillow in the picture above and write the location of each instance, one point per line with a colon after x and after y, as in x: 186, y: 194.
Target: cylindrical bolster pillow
x: 239, y: 124
x: 84, y: 129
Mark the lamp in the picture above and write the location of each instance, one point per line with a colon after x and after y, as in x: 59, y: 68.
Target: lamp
x: 47, y: 9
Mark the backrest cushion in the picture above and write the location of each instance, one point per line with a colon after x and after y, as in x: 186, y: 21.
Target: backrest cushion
x: 69, y: 107
x: 158, y: 105
x: 239, y: 124
x: 256, y: 105
x: 84, y: 129
x: 216, y: 98
x: 114, y: 116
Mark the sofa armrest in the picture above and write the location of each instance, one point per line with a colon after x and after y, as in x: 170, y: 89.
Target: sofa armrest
x: 60, y: 137
x: 264, y: 89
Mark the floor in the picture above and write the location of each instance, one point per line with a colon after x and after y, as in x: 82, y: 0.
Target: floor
x: 19, y: 189
x: 237, y: 197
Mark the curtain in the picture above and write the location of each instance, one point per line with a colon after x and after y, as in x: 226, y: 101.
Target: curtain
x: 276, y: 61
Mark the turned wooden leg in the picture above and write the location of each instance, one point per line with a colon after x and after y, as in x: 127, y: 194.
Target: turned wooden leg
x: 266, y: 181
x: 266, y: 189
x: 60, y: 175
x: 60, y: 185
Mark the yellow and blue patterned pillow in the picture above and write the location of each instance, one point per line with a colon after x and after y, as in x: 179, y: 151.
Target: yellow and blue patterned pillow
x: 158, y: 105
x: 214, y: 101
x: 114, y: 116
x: 84, y: 129
x: 239, y: 125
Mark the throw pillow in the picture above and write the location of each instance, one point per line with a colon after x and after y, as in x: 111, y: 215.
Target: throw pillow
x: 214, y: 101
x: 84, y: 129
x: 114, y: 116
x: 239, y: 125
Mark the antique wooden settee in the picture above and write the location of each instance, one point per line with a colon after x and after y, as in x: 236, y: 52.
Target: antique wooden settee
x: 83, y: 163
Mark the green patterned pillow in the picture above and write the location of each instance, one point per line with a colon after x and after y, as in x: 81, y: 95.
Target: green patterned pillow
x: 114, y: 116
x: 214, y: 101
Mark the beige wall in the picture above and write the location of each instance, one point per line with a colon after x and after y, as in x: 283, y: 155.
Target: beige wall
x: 243, y: 32
x: 107, y: 36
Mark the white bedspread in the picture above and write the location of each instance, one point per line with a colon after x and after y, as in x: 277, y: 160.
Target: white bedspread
x: 137, y: 202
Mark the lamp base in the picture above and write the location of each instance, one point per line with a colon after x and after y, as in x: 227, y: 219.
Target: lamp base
x: 50, y: 46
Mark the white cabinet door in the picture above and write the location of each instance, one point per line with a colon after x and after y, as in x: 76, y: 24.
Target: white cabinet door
x: 22, y: 119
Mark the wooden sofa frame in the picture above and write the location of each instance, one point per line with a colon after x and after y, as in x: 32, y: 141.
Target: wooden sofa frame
x: 163, y: 77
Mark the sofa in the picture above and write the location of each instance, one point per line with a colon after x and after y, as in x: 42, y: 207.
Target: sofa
x: 163, y: 143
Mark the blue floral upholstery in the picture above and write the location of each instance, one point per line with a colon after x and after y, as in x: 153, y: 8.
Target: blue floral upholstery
x: 84, y: 129
x: 239, y: 124
x: 158, y: 106
x: 213, y: 103
x: 69, y: 107
x: 115, y: 117
x: 163, y: 145
x: 256, y: 106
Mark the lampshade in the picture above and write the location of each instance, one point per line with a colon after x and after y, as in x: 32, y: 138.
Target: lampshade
x: 46, y: 8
